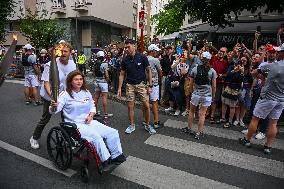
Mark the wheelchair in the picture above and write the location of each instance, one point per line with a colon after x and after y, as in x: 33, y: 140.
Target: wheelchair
x: 65, y: 142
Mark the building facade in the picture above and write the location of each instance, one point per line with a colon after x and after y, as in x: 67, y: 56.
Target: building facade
x: 89, y: 23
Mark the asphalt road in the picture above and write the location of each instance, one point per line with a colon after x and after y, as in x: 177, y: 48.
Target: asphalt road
x: 169, y: 159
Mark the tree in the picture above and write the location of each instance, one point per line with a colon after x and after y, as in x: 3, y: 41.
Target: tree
x: 42, y: 32
x: 6, y: 9
x: 214, y: 12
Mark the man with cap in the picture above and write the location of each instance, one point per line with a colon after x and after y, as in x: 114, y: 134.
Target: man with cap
x: 32, y: 73
x: 203, y: 77
x: 135, y: 66
x: 156, y: 78
x: 43, y: 59
x: 271, y: 101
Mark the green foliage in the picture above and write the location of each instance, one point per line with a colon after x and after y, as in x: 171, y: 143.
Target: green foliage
x: 42, y: 32
x: 214, y: 12
x: 6, y: 9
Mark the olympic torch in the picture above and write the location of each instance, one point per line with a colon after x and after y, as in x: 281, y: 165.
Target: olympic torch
x: 53, y: 72
x: 7, y: 60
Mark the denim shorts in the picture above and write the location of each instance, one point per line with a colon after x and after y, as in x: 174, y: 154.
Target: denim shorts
x: 245, y: 98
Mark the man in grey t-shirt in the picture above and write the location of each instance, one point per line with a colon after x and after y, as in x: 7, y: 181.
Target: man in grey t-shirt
x: 31, y: 75
x: 156, y: 76
x: 270, y: 103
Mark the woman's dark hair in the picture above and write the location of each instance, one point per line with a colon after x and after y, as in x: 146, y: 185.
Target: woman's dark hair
x: 206, y: 64
x: 69, y: 80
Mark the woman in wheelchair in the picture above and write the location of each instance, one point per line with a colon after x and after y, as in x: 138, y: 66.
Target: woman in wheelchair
x: 78, y: 107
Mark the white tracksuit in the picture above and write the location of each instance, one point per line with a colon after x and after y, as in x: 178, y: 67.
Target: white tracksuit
x: 76, y: 110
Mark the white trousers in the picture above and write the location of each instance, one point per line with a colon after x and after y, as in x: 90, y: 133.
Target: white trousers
x: 95, y: 132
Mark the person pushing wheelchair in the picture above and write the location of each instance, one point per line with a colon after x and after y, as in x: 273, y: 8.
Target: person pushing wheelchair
x: 78, y: 107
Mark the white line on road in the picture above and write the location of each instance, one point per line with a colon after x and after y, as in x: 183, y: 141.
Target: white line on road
x: 224, y: 133
x: 154, y: 175
x: 220, y: 155
x: 44, y: 162
x: 14, y: 81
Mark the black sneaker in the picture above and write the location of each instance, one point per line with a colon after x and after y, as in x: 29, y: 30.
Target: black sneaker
x: 187, y: 130
x: 157, y: 125
x: 38, y: 103
x: 245, y: 142
x: 267, y: 150
x: 119, y: 159
x: 106, y: 165
x: 198, y: 135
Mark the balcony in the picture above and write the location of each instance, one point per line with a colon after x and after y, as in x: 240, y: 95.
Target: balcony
x: 81, y: 6
x: 58, y: 10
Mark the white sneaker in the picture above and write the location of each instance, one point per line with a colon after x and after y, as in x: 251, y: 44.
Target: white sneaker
x: 150, y: 129
x: 245, y: 131
x: 177, y: 112
x: 169, y: 109
x: 260, y: 136
x: 34, y: 143
x: 130, y: 129
x: 236, y: 123
x: 185, y: 113
x: 242, y: 124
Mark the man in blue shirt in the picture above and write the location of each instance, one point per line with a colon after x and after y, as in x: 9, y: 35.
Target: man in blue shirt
x: 134, y: 66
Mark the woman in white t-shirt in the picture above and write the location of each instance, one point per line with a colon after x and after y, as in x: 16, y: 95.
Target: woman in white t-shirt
x: 78, y: 107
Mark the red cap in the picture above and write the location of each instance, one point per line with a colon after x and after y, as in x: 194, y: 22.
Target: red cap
x: 270, y: 48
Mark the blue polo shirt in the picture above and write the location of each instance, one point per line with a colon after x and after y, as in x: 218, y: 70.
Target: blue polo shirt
x: 135, y: 68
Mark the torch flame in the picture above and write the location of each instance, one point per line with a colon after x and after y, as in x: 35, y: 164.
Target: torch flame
x: 58, y: 50
x: 15, y: 36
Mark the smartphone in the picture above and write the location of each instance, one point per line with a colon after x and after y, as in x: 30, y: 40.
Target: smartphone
x: 258, y: 29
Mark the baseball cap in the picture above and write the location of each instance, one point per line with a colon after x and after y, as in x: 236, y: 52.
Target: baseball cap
x: 153, y: 47
x: 280, y: 48
x: 28, y: 46
x: 100, y: 54
x: 206, y: 55
x: 270, y: 48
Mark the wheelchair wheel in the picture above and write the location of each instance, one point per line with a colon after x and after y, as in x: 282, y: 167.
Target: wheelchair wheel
x: 84, y: 173
x: 59, y: 148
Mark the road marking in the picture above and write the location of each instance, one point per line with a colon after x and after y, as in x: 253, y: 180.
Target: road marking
x: 14, y: 81
x: 220, y: 155
x: 42, y: 161
x: 223, y: 133
x: 154, y: 175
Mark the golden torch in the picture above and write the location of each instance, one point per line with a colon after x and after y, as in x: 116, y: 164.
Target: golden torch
x: 53, y: 72
x: 7, y: 60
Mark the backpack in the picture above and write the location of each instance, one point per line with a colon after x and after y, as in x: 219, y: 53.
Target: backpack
x: 201, y: 76
x: 97, y: 69
x: 25, y: 60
